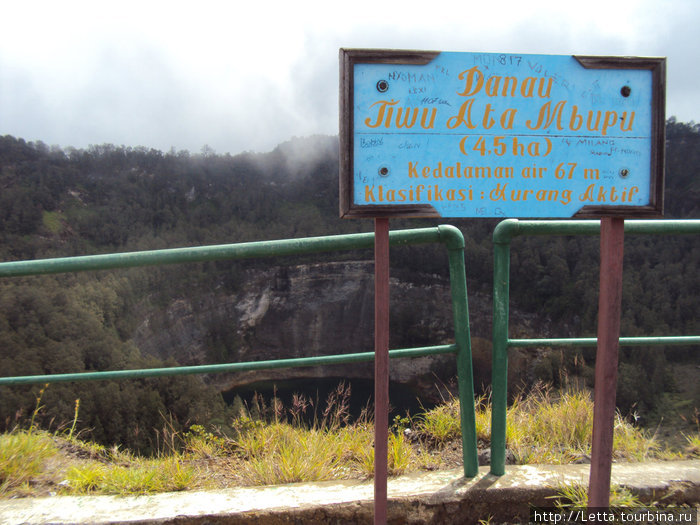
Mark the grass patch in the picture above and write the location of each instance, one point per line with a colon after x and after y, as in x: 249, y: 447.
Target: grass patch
x: 545, y: 427
x: 692, y: 449
x: 551, y: 427
x: 280, y: 453
x: 692, y: 445
x: 23, y: 458
x: 575, y: 495
x: 442, y: 423
x: 139, y: 476
x: 53, y: 221
x: 554, y: 427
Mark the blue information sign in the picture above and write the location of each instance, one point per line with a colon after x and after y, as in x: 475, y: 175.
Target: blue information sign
x: 500, y: 135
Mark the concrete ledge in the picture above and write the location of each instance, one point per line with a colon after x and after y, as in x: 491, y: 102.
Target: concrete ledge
x: 443, y: 497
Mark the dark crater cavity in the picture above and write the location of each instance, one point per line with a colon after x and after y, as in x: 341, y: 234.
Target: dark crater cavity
x: 318, y: 391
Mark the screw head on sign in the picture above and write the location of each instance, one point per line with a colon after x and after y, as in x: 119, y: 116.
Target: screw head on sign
x: 384, y: 171
x: 624, y: 173
x: 382, y: 86
x: 625, y: 91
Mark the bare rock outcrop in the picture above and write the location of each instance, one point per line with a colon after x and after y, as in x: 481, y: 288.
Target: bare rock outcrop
x: 309, y: 310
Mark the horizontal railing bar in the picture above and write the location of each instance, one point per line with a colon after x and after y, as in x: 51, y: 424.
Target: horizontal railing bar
x: 227, y: 367
x: 593, y: 341
x: 510, y: 228
x: 248, y: 250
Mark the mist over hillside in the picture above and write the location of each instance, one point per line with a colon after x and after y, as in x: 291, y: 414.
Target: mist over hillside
x: 62, y: 202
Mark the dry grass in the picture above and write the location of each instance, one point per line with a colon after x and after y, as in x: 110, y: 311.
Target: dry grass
x: 24, y: 458
x: 137, y: 476
x: 576, y: 496
x: 545, y: 427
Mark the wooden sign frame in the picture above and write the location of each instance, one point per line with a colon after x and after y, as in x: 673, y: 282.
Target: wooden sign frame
x: 349, y: 58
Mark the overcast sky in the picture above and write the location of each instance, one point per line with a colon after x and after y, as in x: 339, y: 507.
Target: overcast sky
x: 245, y: 76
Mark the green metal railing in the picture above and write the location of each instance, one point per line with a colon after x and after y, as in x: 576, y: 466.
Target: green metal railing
x: 502, y: 236
x: 450, y: 236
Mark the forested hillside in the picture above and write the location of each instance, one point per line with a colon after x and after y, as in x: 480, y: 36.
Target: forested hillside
x: 109, y: 198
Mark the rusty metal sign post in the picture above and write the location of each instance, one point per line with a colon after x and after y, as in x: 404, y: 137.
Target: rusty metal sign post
x: 443, y: 134
x: 612, y: 234
x: 381, y: 367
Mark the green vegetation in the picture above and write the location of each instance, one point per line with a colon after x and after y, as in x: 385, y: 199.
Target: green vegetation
x: 576, y: 495
x: 284, y: 450
x: 110, y: 198
x: 547, y: 427
x: 136, y: 476
x: 23, y: 456
x: 692, y: 440
x: 278, y: 447
x: 442, y: 424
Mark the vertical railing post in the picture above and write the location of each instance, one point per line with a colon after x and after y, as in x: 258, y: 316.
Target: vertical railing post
x: 465, y: 375
x: 499, y: 366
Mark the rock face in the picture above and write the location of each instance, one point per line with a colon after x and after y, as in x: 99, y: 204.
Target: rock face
x: 309, y: 310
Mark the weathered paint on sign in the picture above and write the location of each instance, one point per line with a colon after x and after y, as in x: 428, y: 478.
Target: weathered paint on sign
x: 504, y: 135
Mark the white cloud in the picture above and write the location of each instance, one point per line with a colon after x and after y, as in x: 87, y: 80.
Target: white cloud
x: 241, y: 76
